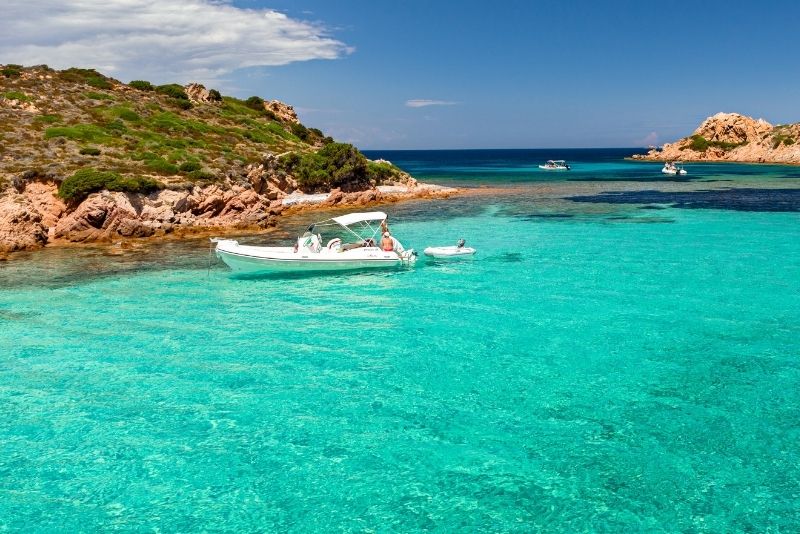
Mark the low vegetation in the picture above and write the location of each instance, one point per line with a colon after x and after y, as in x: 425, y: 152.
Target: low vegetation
x: 173, y: 90
x: 16, y: 95
x: 782, y: 136
x: 86, y: 76
x: 142, y: 85
x: 699, y: 143
x: 138, y: 135
x: 11, y: 70
x: 336, y: 165
x: 87, y: 181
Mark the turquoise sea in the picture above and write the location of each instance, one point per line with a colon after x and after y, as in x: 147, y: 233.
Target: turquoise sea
x: 622, y: 355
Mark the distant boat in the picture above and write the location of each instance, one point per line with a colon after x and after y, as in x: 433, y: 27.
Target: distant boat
x: 673, y: 168
x: 555, y: 165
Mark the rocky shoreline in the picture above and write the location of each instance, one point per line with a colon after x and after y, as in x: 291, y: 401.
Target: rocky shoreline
x: 37, y: 217
x: 733, y: 138
x: 86, y: 158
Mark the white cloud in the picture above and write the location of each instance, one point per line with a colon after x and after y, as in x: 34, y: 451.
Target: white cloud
x: 422, y: 102
x: 159, y: 40
x: 649, y: 139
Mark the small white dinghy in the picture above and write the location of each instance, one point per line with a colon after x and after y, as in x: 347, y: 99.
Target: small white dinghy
x: 456, y: 251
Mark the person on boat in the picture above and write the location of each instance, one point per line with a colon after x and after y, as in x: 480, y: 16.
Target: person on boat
x: 387, y: 244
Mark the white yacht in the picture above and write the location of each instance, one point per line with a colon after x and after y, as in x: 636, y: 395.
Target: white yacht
x: 309, y: 254
x: 555, y: 165
x: 673, y: 168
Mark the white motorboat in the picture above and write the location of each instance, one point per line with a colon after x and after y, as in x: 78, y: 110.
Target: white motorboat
x: 455, y: 251
x: 555, y: 165
x: 673, y: 168
x: 309, y: 253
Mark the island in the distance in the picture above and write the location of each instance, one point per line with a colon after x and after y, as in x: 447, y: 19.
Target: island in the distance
x: 734, y: 137
x: 87, y: 158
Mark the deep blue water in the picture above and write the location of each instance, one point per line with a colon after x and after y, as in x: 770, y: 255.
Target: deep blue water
x: 622, y: 355
x: 476, y: 167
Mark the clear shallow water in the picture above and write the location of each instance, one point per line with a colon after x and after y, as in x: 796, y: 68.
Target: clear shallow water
x: 597, y: 366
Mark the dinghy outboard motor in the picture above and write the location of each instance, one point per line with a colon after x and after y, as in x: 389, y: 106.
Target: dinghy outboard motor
x: 461, y: 243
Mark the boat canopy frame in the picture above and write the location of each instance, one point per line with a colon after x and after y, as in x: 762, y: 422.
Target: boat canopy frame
x: 362, y: 221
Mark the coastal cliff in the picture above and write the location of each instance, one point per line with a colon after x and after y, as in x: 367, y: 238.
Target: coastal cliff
x: 86, y: 158
x: 734, y: 137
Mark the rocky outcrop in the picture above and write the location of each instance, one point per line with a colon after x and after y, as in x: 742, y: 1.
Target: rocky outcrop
x: 284, y: 112
x: 19, y: 105
x: 266, y: 178
x: 27, y: 216
x: 35, y: 217
x: 21, y: 226
x: 734, y: 137
x: 198, y: 94
x: 106, y: 216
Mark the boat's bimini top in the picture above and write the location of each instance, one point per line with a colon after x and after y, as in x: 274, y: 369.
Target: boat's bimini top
x: 352, y: 218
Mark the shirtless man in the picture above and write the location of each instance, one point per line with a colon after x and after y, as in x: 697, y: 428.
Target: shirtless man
x: 386, y: 243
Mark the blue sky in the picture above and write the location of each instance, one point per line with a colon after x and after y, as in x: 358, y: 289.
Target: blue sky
x: 508, y: 74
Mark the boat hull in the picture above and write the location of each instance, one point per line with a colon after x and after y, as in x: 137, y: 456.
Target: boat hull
x: 449, y: 252
x: 243, y: 259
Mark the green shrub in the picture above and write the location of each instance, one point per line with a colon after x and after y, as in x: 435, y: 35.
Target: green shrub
x: 287, y: 162
x: 143, y: 156
x: 215, y: 95
x: 380, y: 172
x: 173, y: 90
x: 128, y: 115
x: 16, y: 95
x: 161, y: 166
x: 98, y: 96
x: 335, y: 165
x: 87, y: 181
x: 698, y: 143
x: 10, y: 71
x: 116, y: 127
x: 183, y: 104
x: 88, y: 76
x: 255, y: 102
x: 142, y: 85
x: 48, y: 119
x: 300, y: 131
x: 99, y: 83
x: 725, y: 145
x: 779, y: 139
x: 701, y: 144
x: 80, y: 132
x: 90, y: 151
x: 204, y: 176
x: 189, y: 166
